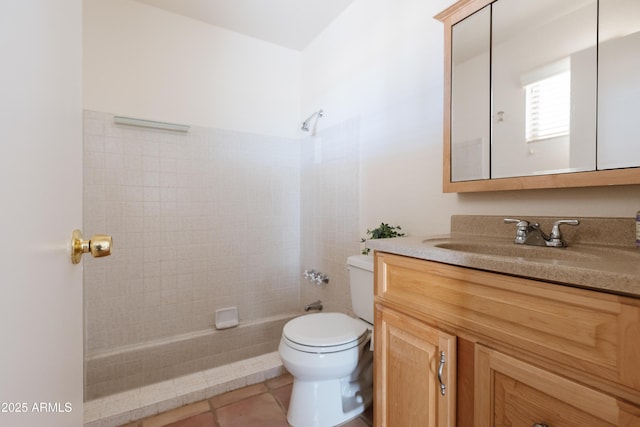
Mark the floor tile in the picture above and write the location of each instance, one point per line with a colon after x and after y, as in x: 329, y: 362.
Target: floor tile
x: 203, y: 420
x: 236, y: 395
x: 177, y: 414
x: 368, y: 415
x: 259, y: 405
x: 356, y: 422
x: 283, y: 394
x: 257, y: 411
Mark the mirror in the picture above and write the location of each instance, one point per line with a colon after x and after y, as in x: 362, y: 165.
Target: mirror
x: 471, y: 97
x: 619, y: 84
x: 543, y: 78
x: 502, y: 135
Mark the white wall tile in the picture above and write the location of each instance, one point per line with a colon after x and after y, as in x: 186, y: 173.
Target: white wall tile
x: 190, y: 217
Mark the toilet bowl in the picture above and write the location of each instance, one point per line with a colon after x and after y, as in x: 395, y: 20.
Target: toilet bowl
x: 329, y: 356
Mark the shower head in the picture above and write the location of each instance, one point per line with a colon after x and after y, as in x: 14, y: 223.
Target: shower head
x: 307, y: 123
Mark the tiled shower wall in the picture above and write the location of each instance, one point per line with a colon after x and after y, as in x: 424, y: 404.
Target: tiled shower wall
x: 330, y: 212
x: 200, y: 221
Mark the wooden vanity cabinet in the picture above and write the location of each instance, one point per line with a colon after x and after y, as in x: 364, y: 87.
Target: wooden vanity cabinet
x: 415, y: 372
x: 521, y: 352
x: 511, y: 392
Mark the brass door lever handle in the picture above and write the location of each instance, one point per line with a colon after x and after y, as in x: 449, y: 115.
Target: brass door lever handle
x: 99, y: 246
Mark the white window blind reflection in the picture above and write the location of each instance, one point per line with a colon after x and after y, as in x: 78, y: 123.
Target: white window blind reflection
x: 548, y: 107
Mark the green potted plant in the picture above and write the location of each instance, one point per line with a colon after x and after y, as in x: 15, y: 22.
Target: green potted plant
x: 383, y: 231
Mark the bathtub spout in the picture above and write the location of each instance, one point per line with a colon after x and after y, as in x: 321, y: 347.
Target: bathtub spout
x: 314, y: 306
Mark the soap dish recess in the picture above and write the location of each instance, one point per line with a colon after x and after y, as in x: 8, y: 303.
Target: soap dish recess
x: 226, y: 318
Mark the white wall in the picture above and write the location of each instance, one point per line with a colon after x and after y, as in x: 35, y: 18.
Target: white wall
x: 381, y: 63
x: 144, y: 62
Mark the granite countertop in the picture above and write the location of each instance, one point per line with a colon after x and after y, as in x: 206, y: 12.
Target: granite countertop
x: 605, y: 260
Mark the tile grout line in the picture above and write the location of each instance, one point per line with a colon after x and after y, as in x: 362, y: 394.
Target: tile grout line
x: 213, y: 411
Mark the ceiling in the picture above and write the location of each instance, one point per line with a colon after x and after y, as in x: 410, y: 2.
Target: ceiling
x: 289, y: 23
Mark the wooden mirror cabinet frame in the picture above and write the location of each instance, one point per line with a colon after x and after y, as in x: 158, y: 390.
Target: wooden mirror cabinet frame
x: 449, y: 17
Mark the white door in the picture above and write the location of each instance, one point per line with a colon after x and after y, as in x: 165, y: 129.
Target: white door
x: 40, y: 205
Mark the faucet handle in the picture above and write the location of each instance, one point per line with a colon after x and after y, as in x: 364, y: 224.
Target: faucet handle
x: 522, y: 229
x: 555, y: 238
x: 519, y: 222
x: 555, y: 230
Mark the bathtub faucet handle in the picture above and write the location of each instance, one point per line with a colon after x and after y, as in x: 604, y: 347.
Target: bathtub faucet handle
x: 317, y: 277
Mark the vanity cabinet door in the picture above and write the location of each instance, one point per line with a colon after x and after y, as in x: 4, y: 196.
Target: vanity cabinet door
x: 511, y: 392
x: 413, y: 362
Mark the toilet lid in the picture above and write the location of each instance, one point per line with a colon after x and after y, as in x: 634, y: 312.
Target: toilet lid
x: 324, y: 329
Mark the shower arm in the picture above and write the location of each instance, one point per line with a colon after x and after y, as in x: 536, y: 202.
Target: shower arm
x: 306, y: 123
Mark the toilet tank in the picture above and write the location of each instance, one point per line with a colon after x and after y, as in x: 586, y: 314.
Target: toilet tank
x: 361, y: 284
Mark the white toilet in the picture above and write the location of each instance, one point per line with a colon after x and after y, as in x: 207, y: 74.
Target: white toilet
x: 329, y: 357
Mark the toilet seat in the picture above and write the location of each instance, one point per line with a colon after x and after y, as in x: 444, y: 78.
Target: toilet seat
x: 325, y: 332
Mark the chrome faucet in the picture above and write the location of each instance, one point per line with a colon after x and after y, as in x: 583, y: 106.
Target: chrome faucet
x: 532, y: 234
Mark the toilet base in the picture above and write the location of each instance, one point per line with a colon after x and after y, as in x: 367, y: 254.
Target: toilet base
x: 327, y: 403
x: 332, y: 402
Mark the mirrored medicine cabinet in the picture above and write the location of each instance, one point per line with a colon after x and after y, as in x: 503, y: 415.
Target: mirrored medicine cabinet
x: 541, y: 94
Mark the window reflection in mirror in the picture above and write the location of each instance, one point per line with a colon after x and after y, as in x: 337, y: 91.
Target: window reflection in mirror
x: 619, y: 84
x: 543, y: 86
x: 470, y: 97
x: 548, y: 102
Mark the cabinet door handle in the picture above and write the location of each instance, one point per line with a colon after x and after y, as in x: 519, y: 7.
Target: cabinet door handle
x: 443, y: 387
x: 540, y: 425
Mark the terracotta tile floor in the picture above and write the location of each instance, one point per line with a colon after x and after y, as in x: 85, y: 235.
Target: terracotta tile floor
x: 259, y: 405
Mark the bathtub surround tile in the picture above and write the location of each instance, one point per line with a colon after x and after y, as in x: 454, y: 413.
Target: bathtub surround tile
x: 192, y: 212
x: 186, y: 213
x: 191, y: 387
x: 190, y: 383
x: 330, y: 212
x: 93, y: 412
